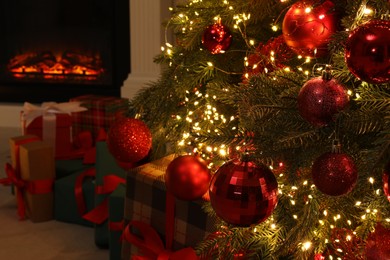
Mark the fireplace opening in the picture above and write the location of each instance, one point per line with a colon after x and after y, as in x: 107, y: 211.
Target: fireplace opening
x: 53, y: 50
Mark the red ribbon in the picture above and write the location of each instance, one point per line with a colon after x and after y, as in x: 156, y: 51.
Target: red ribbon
x: 151, y: 246
x: 116, y: 225
x: 33, y: 187
x: 78, y: 189
x: 100, y: 213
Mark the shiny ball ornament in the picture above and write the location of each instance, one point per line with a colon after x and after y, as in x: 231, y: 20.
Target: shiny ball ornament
x: 319, y: 100
x: 334, y: 174
x: 385, y: 178
x: 308, y: 26
x: 187, y: 177
x: 367, y: 52
x: 129, y: 140
x: 378, y: 244
x: 217, y: 38
x: 242, y: 193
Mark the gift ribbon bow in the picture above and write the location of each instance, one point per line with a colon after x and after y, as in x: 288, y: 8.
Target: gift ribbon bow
x: 33, y: 187
x: 151, y: 245
x: 30, y: 111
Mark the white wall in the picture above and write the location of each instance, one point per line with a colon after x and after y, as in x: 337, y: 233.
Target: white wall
x: 147, y: 36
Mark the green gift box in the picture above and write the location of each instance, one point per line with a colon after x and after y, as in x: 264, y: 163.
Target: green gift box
x: 105, y: 165
x: 67, y: 167
x: 116, y: 206
x: 65, y: 204
x: 146, y: 201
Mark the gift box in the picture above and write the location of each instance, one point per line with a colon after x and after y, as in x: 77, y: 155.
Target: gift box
x: 116, y: 205
x: 108, y: 176
x: 101, y: 112
x: 37, y: 172
x: 74, y: 196
x: 52, y: 123
x: 146, y: 201
x: 67, y: 167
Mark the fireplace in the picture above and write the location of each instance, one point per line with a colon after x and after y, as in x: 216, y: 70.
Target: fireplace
x: 52, y: 50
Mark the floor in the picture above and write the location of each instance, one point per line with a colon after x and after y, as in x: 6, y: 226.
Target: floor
x: 52, y: 240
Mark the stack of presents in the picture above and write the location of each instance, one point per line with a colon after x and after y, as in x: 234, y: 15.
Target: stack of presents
x: 61, y: 169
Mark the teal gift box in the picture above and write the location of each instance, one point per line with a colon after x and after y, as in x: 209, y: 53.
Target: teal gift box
x: 105, y: 165
x: 65, y: 204
x: 116, y: 206
x: 67, y: 167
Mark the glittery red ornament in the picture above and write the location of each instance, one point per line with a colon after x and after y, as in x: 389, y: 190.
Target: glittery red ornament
x: 319, y: 100
x: 367, y: 52
x: 187, y: 177
x: 378, y: 244
x: 129, y: 140
x: 217, y: 38
x: 242, y: 193
x: 334, y: 173
x: 385, y: 178
x: 308, y: 27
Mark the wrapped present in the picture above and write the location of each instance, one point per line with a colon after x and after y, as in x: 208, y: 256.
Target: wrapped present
x: 108, y: 176
x: 74, y: 196
x: 147, y: 202
x: 116, y: 205
x: 34, y: 179
x: 102, y: 112
x: 51, y: 122
x: 67, y: 167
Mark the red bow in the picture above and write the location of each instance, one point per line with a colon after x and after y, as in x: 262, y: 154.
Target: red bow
x: 151, y: 246
x: 33, y: 187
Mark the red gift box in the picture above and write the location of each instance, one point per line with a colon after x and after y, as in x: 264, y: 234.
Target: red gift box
x: 101, y: 112
x: 63, y: 138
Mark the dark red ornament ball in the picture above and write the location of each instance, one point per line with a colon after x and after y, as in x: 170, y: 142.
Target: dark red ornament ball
x: 308, y: 26
x: 385, y: 178
x: 217, y: 38
x: 242, y: 193
x: 378, y: 244
x: 187, y: 177
x: 129, y: 140
x: 367, y: 52
x: 334, y: 174
x: 319, y: 100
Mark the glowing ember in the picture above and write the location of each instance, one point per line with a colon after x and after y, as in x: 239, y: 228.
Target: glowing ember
x: 48, y: 65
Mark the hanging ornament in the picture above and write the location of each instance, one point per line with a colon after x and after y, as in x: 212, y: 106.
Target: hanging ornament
x: 334, y: 173
x: 242, y: 193
x: 321, y: 98
x: 129, y: 140
x: 367, y: 52
x: 187, y: 177
x: 308, y: 27
x: 217, y: 38
x: 385, y: 178
x: 378, y: 244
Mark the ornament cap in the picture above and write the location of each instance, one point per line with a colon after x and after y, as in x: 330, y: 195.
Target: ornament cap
x: 336, y: 146
x: 327, y: 73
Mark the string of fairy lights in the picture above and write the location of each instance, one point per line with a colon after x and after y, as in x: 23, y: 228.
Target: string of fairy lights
x: 216, y: 119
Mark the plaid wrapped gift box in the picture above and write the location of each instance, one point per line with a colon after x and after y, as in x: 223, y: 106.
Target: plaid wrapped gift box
x: 102, y: 112
x: 145, y: 201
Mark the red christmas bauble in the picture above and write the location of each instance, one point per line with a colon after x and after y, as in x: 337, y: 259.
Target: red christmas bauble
x: 187, y: 177
x: 217, y: 38
x: 367, y: 53
x: 319, y: 100
x: 334, y: 174
x: 242, y: 193
x: 378, y: 244
x: 308, y: 26
x: 385, y: 178
x: 129, y: 140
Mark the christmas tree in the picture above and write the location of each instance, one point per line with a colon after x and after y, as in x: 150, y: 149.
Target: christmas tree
x: 296, y: 92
